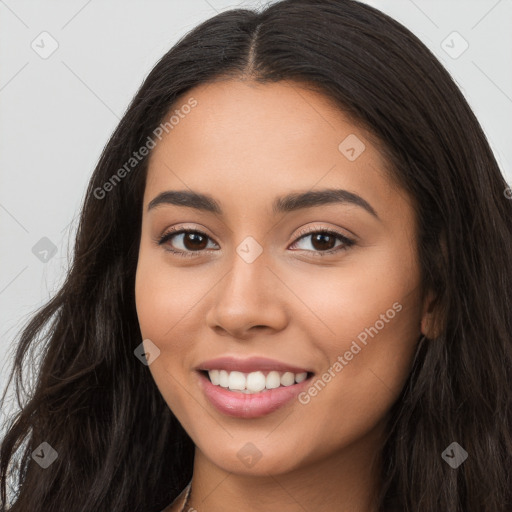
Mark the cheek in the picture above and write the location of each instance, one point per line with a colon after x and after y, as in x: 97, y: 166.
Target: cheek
x: 162, y: 301
x: 352, y: 296
x: 164, y: 296
x: 370, y: 313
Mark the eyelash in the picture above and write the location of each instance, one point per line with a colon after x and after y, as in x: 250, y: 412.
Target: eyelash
x: 170, y: 233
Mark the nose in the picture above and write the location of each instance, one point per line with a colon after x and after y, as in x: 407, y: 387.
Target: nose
x: 248, y: 300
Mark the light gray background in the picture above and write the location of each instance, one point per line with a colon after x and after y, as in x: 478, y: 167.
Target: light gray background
x: 57, y: 113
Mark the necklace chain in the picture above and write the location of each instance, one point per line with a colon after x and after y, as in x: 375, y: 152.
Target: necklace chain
x: 187, y: 496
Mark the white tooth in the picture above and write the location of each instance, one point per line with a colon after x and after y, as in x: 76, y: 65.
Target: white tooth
x: 299, y: 377
x: 255, y: 381
x: 214, y: 376
x: 287, y: 379
x: 223, y: 379
x: 273, y: 380
x: 237, y: 381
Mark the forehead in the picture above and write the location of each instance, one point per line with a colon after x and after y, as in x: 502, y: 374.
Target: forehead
x: 251, y: 142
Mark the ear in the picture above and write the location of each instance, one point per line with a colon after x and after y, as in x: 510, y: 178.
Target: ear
x: 428, y: 318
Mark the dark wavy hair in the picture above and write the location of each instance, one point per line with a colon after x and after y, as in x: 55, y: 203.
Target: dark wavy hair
x: 120, y: 448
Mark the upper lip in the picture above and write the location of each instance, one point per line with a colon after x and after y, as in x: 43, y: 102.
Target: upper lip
x: 249, y: 365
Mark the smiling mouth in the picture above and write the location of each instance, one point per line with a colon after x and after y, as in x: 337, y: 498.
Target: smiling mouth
x: 254, y: 382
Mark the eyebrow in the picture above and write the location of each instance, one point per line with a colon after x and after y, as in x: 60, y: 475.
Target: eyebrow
x: 283, y: 204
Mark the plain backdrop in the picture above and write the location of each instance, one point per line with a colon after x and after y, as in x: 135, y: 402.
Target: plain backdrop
x: 57, y: 110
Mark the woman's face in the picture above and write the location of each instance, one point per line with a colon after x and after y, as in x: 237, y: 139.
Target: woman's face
x: 257, y: 285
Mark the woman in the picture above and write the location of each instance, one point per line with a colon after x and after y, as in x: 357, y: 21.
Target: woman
x: 291, y: 287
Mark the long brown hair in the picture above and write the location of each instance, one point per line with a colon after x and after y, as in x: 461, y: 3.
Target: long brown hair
x: 119, y: 446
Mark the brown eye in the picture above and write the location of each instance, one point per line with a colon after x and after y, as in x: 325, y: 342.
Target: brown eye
x: 185, y: 242
x: 323, y: 242
x: 194, y: 241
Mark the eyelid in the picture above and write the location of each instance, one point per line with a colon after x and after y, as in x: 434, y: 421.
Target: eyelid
x: 315, y: 229
x: 180, y: 229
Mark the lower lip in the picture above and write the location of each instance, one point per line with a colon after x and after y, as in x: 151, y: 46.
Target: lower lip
x: 242, y: 405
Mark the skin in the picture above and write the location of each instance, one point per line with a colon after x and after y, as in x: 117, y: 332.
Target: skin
x: 245, y: 144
